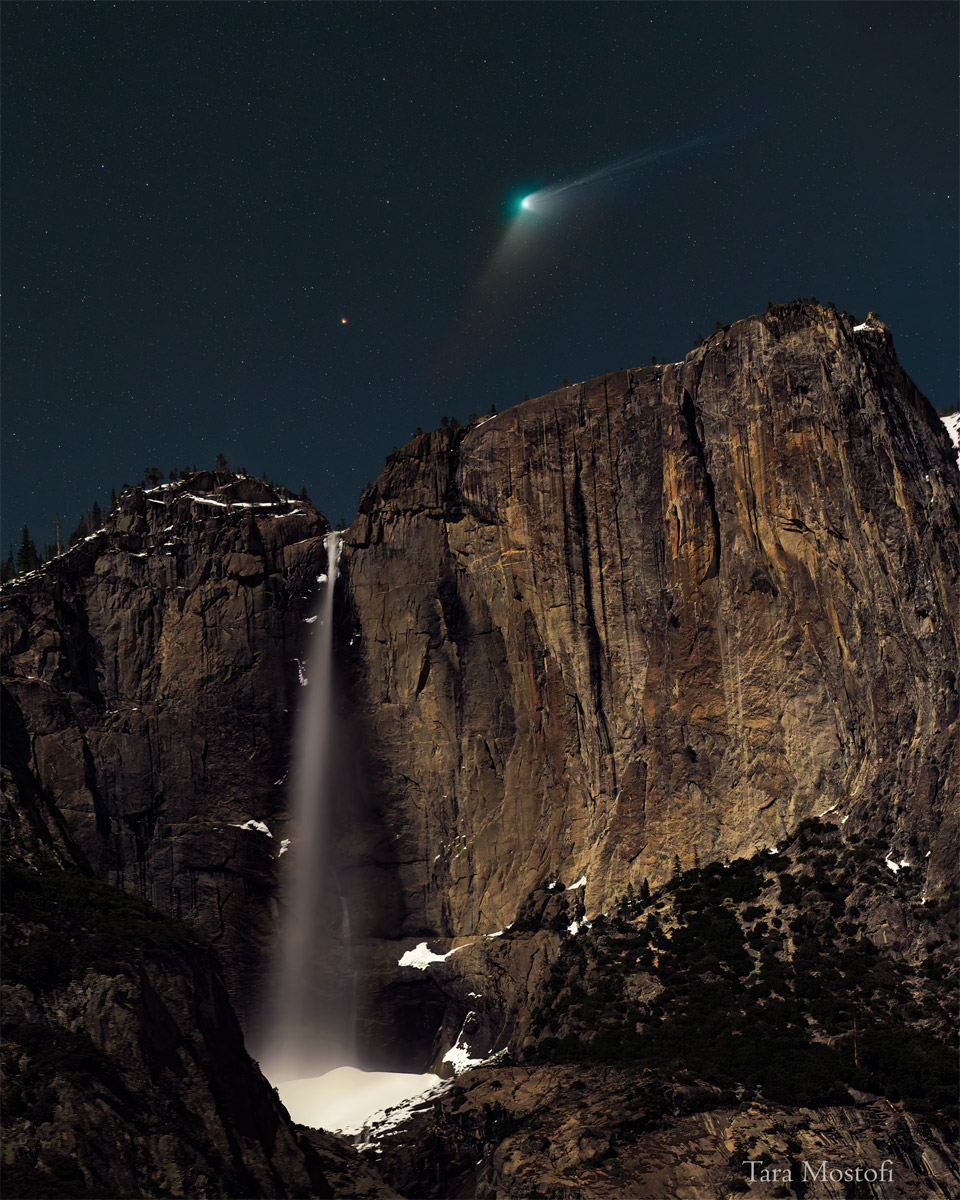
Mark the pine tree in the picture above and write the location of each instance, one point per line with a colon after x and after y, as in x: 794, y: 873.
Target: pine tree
x: 27, y: 557
x: 221, y: 463
x: 79, y: 533
x: 9, y: 569
x: 152, y: 476
x: 113, y: 499
x: 645, y: 892
x: 96, y: 517
x: 677, y: 868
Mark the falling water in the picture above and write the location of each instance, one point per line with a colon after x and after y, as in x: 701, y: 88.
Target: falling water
x: 309, y: 1015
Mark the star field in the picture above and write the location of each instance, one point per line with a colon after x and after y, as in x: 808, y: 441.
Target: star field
x: 197, y: 195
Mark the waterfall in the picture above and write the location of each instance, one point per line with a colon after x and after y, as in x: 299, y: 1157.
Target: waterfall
x: 308, y: 1018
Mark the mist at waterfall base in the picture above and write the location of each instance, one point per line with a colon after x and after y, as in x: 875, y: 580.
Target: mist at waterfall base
x: 306, y: 1042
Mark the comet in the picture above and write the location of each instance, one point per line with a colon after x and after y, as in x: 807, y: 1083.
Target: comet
x: 543, y: 200
x: 541, y: 227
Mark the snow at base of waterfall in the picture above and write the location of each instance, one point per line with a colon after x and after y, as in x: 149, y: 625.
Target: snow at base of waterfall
x: 348, y: 1100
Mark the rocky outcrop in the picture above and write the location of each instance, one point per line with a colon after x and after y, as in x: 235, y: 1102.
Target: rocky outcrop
x: 574, y: 1134
x: 124, y: 1067
x: 669, y: 612
x: 148, y: 677
x: 350, y: 1174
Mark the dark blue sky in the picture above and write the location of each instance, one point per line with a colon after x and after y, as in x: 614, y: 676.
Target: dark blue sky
x: 196, y: 194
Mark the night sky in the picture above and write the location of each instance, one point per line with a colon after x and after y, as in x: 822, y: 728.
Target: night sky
x: 196, y: 195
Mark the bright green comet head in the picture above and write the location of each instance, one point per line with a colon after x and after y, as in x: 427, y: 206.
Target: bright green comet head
x: 521, y: 202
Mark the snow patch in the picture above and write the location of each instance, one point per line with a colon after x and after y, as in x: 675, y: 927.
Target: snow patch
x: 573, y: 928
x: 207, y: 500
x: 253, y: 826
x: 459, y: 1053
x: 421, y: 957
x: 953, y: 429
x: 284, y: 846
x: 894, y: 866
x: 348, y: 1100
x: 581, y: 882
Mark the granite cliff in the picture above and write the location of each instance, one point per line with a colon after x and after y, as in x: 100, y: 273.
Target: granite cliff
x: 665, y: 614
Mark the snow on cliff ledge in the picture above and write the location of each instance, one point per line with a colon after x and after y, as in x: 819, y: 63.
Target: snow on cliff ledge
x: 953, y: 428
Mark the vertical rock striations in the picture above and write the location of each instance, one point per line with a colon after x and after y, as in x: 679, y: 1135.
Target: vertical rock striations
x: 665, y: 612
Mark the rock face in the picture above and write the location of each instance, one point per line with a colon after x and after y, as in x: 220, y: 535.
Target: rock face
x: 571, y: 1134
x: 125, y: 1071
x: 667, y: 612
x: 149, y: 675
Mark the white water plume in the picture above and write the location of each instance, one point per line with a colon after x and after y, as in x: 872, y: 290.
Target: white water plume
x: 309, y: 1012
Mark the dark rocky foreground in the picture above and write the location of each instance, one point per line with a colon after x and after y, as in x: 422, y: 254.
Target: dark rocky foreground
x: 605, y: 653
x: 784, y: 1008
x: 569, y: 1133
x: 124, y: 1067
